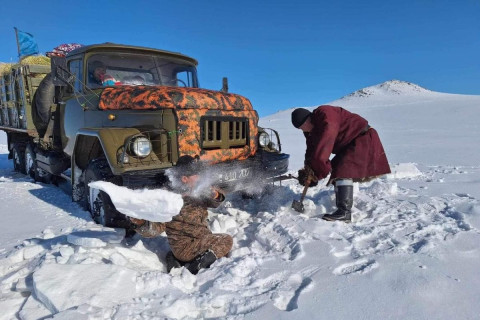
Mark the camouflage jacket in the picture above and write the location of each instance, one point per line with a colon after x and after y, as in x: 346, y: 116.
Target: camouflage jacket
x: 190, y: 222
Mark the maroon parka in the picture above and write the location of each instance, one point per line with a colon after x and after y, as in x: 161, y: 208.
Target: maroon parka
x: 359, y: 154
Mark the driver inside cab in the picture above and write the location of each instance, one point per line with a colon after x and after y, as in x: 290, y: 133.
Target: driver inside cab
x: 98, y: 75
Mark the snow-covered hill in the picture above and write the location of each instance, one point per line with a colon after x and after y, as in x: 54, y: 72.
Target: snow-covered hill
x: 395, y: 87
x: 411, y: 253
x: 415, y: 124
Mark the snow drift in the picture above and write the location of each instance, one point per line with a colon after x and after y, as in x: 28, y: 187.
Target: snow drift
x: 411, y: 252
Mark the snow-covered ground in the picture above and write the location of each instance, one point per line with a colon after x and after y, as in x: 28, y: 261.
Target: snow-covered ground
x: 411, y: 253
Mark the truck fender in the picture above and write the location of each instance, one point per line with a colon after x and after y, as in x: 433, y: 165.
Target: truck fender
x: 96, y: 143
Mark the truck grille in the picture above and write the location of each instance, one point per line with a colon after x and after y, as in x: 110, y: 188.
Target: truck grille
x: 223, y: 132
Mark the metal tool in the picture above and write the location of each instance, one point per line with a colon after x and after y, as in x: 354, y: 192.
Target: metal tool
x: 284, y: 177
x: 297, y: 205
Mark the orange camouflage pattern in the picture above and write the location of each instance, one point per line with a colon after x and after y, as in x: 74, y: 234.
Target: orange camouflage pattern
x: 190, y: 105
x: 162, y: 97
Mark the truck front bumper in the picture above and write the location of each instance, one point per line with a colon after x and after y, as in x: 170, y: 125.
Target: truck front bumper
x: 257, y: 170
x: 229, y: 176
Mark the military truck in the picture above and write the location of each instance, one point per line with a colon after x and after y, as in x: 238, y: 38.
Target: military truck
x: 130, y: 125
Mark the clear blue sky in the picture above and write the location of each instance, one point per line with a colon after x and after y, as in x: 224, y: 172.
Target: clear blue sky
x: 279, y: 54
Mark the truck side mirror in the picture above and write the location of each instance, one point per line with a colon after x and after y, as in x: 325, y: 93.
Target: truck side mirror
x: 224, y: 85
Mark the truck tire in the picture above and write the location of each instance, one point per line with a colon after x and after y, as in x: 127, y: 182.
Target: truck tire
x: 31, y: 168
x: 42, y: 100
x: 18, y: 153
x: 30, y: 157
x: 98, y: 202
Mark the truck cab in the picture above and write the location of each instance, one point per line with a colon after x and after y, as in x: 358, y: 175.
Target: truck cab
x: 126, y: 114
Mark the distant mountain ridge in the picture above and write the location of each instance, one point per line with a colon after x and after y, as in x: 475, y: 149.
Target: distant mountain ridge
x: 391, y: 87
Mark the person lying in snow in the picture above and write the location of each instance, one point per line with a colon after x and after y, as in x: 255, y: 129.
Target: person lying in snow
x: 192, y: 243
x: 359, y: 154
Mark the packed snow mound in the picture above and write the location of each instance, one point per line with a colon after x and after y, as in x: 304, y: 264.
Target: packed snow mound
x: 142, y: 204
x: 106, y: 285
x: 404, y: 170
x: 391, y: 87
x: 96, y: 238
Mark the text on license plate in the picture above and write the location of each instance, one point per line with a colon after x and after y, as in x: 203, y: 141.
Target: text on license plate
x: 236, y: 174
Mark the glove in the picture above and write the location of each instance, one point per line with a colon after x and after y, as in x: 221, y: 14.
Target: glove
x: 306, y: 174
x: 147, y: 229
x: 137, y: 223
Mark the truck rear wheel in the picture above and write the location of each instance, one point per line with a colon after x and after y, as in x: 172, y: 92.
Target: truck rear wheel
x: 30, y: 166
x: 18, y: 152
x: 32, y: 169
x: 98, y: 202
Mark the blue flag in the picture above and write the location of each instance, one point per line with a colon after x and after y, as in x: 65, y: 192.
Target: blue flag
x: 26, y: 44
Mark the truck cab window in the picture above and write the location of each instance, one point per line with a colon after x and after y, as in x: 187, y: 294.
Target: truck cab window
x: 184, y: 78
x: 114, y: 69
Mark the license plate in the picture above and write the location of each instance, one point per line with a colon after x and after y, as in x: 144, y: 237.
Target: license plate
x: 234, y: 175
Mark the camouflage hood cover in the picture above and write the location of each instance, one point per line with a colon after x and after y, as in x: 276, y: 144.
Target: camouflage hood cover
x: 190, y: 105
x: 160, y: 97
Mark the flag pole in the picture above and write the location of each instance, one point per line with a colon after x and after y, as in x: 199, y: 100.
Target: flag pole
x: 18, y: 44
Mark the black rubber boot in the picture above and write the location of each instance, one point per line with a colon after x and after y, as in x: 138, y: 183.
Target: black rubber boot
x: 344, y: 200
x: 172, y: 262
x: 204, y: 260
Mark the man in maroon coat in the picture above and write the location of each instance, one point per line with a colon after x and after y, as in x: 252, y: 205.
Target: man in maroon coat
x: 359, y: 154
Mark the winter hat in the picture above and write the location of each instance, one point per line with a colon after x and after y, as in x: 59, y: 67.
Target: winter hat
x: 299, y: 116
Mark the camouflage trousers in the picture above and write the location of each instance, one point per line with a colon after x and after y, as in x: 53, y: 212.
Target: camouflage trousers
x: 187, y: 248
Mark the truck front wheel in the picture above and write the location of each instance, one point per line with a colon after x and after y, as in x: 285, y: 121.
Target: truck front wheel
x: 98, y: 202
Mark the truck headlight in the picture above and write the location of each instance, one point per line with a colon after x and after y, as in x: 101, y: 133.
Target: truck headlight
x: 141, y: 147
x: 264, y: 139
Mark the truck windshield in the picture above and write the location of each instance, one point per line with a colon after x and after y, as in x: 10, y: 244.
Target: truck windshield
x: 108, y: 69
